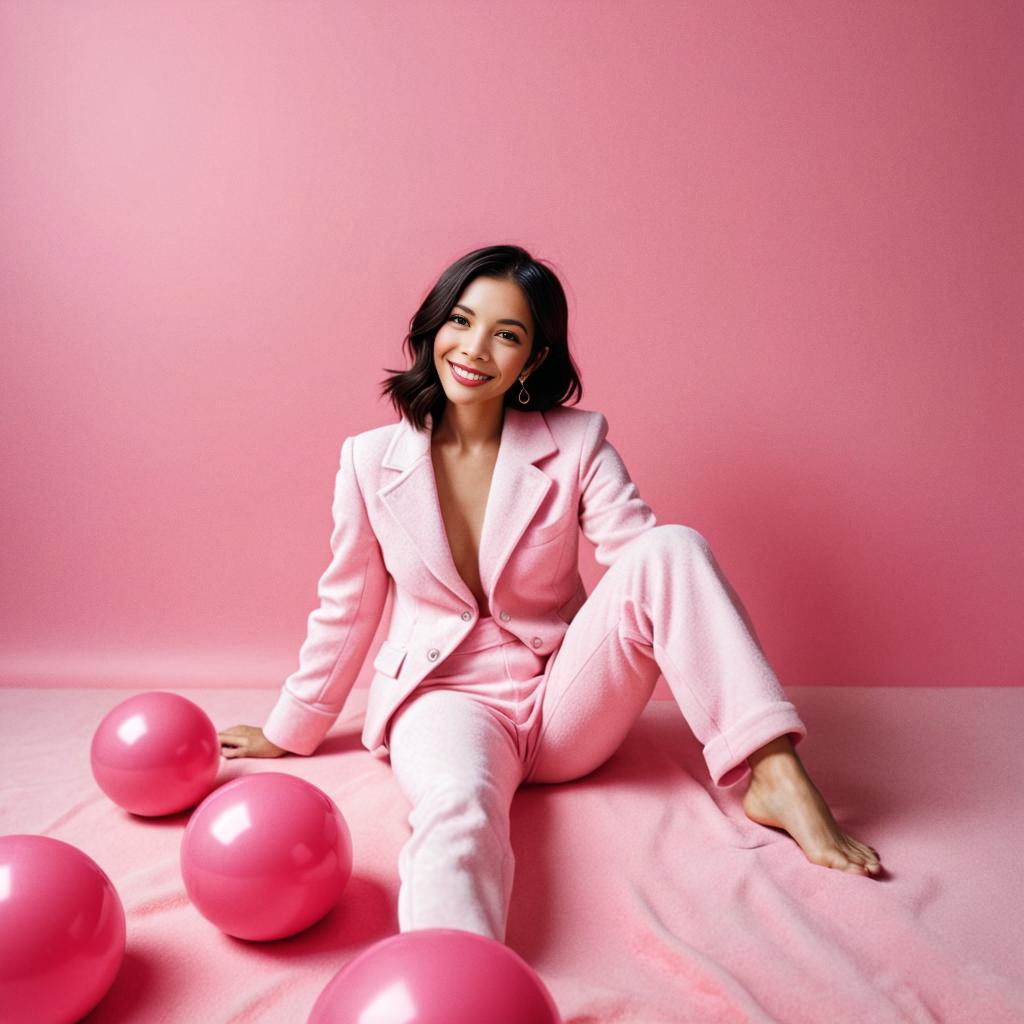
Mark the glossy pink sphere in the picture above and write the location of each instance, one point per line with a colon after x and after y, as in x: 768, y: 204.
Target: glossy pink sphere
x: 155, y: 753
x: 62, y: 931
x: 266, y: 856
x: 436, y: 976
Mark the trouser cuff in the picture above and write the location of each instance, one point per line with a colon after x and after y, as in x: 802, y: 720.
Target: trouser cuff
x: 726, y: 755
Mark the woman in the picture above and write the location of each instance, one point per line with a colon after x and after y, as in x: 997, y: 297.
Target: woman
x: 498, y: 668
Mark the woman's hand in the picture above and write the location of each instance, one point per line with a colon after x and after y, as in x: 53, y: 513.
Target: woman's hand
x: 247, y: 741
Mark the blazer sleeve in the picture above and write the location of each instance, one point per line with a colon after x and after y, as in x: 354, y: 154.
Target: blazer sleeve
x: 352, y: 593
x: 611, y: 510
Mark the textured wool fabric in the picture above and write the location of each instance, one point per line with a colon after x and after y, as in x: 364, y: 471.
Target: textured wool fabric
x: 496, y: 713
x: 642, y: 893
x: 556, y: 476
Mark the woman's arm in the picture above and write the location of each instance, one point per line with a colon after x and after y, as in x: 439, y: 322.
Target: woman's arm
x: 612, y: 512
x: 352, y: 591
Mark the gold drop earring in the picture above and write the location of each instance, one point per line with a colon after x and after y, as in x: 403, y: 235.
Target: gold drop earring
x: 523, y: 391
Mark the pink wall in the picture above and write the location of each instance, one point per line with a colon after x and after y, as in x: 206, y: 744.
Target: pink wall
x: 790, y: 233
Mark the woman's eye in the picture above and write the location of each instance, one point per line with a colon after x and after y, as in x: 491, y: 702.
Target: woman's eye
x: 459, y: 316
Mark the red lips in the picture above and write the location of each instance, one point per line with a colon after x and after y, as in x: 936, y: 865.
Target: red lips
x: 469, y: 369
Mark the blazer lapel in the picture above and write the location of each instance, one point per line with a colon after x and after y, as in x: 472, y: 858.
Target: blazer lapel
x: 517, y: 489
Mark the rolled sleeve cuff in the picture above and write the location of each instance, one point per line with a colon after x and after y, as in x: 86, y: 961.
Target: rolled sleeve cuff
x: 726, y: 755
x: 295, y: 726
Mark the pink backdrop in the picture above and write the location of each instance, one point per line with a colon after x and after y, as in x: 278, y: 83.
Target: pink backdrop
x: 790, y: 234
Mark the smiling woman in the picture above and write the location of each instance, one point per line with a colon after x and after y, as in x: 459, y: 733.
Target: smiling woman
x: 498, y: 668
x: 496, y: 312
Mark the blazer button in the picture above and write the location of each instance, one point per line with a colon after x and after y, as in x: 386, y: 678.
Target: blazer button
x: 433, y: 654
x: 504, y: 616
x: 466, y: 616
x: 537, y: 641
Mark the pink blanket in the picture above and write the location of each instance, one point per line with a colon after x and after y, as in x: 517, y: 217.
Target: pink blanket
x: 643, y: 894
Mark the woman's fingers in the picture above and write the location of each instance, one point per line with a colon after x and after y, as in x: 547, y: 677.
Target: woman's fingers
x: 233, y: 745
x: 243, y: 741
x: 237, y: 733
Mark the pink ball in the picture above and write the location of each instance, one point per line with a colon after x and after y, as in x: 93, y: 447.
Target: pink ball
x: 436, y: 976
x: 62, y: 931
x: 155, y: 753
x: 266, y: 855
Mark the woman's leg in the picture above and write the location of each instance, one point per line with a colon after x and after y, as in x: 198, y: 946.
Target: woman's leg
x: 662, y: 608
x: 665, y: 607
x: 459, y: 768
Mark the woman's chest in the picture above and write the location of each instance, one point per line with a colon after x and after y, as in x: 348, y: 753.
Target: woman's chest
x: 476, y: 527
x: 463, y: 487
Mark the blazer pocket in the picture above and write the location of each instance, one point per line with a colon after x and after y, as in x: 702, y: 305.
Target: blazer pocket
x: 537, y: 535
x: 389, y: 659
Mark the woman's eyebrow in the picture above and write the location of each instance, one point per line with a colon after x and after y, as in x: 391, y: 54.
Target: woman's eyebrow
x: 459, y: 305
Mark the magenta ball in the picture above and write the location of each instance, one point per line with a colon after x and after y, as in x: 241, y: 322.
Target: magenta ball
x: 266, y: 856
x: 155, y: 753
x: 436, y: 976
x: 62, y: 931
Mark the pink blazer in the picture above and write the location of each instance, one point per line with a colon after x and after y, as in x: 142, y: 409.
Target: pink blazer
x: 556, y: 473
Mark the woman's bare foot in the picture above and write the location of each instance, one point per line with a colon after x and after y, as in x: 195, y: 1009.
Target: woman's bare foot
x: 782, y: 795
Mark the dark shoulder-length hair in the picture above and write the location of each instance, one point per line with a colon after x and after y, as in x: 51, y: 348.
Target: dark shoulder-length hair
x: 417, y: 391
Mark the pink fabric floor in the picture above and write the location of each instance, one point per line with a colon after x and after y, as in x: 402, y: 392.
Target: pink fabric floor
x: 643, y: 894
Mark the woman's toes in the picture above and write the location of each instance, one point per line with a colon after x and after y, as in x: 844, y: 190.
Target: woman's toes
x: 872, y: 859
x: 854, y: 863
x: 869, y: 865
x: 850, y: 855
x: 862, y: 851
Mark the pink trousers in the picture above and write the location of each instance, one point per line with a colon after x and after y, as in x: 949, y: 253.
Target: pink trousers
x: 495, y: 715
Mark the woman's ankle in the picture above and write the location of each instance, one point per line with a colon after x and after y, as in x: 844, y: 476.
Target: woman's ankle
x: 776, y: 757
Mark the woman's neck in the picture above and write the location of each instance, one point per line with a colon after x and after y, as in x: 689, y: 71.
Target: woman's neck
x: 470, y: 429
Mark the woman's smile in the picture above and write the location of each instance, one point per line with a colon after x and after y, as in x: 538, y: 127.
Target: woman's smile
x: 465, y: 375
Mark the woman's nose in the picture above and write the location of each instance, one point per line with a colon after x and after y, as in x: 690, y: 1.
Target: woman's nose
x: 476, y: 349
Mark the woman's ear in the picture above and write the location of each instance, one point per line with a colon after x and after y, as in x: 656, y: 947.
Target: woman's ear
x: 540, y: 358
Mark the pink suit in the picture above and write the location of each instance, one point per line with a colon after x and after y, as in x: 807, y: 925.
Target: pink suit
x: 547, y: 687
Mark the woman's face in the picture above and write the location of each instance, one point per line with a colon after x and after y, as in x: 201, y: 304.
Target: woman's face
x: 489, y: 331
